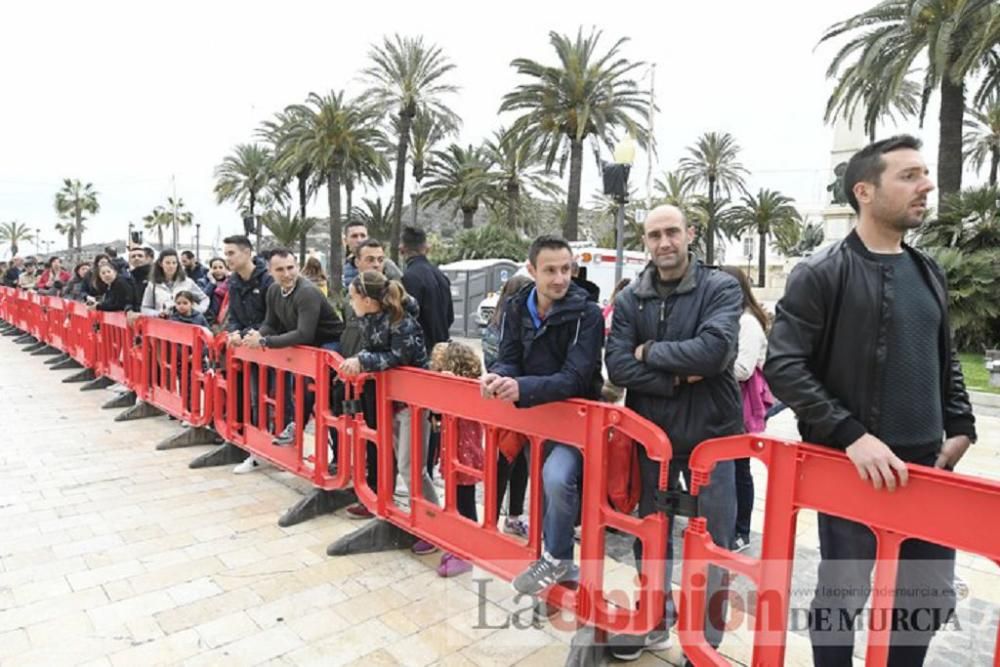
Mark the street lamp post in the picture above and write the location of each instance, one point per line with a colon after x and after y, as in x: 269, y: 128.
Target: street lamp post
x: 197, y: 241
x: 38, y: 240
x: 616, y: 185
x: 128, y: 241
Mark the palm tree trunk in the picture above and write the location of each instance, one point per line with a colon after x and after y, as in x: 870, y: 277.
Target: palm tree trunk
x: 467, y: 215
x: 336, y: 267
x: 513, y: 197
x: 349, y: 189
x: 950, y: 142
x: 994, y: 163
x: 762, y: 260
x: 710, y: 231
x: 303, y: 195
x: 259, y: 222
x: 397, y: 203
x: 159, y: 236
x: 571, y: 229
x: 79, y: 232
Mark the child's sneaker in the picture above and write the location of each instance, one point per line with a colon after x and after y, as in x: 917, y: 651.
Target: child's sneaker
x: 515, y: 526
x: 423, y: 547
x: 452, y: 566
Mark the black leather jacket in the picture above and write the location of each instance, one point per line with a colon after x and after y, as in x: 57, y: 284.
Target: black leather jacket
x: 827, y: 349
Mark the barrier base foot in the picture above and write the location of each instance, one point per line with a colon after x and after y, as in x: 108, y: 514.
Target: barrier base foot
x: 138, y: 411
x: 26, y: 339
x: 86, y: 375
x: 98, y: 383
x: 316, y: 503
x: 372, y: 537
x: 189, y: 437
x: 56, y: 360
x: 225, y: 454
x: 9, y: 330
x: 587, y: 648
x: 47, y: 351
x: 126, y: 400
x: 35, y: 347
x: 68, y: 363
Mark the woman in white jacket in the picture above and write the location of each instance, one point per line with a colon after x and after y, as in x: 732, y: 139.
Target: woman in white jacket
x: 167, y: 279
x: 748, y: 369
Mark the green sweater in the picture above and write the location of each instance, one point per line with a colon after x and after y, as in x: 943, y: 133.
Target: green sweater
x: 304, y: 317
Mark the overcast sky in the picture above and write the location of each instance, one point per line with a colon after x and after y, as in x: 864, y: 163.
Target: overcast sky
x: 125, y: 95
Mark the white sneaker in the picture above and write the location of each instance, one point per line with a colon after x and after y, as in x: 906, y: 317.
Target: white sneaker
x: 249, y: 465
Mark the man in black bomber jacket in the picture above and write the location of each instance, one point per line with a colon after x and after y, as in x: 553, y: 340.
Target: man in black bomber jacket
x: 861, y: 351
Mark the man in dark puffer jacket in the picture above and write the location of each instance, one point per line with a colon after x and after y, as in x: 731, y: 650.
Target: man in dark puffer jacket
x: 672, y: 345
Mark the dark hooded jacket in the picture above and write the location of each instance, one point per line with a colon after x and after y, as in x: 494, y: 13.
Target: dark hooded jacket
x: 248, y: 299
x: 562, y: 358
x: 693, y: 332
x: 388, y: 345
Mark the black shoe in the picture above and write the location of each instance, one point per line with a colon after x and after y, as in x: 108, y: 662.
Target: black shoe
x: 630, y: 647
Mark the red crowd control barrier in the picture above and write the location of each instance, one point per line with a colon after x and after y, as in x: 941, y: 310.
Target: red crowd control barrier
x: 57, y: 328
x: 254, y: 390
x: 117, y: 356
x: 36, y: 319
x: 81, y: 341
x: 581, y: 424
x: 934, y: 506
x: 171, y: 371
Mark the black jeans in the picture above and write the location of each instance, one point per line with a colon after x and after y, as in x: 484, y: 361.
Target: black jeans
x: 516, y: 474
x: 925, y: 595
x: 465, y: 499
x: 744, y: 497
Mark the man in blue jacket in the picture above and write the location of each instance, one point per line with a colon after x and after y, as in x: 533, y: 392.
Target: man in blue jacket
x: 248, y: 283
x: 672, y: 345
x: 550, y: 350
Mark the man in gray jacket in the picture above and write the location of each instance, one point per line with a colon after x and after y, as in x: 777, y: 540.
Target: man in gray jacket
x: 672, y: 345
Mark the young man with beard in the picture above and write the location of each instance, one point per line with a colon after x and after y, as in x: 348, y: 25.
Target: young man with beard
x: 550, y: 350
x: 672, y: 345
x: 861, y: 351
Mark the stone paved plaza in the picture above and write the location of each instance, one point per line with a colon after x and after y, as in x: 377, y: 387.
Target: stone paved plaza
x: 113, y: 553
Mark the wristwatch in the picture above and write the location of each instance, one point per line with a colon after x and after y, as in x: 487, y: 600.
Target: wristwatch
x: 263, y: 341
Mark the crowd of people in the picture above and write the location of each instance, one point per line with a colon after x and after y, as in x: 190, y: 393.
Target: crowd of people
x: 688, y: 343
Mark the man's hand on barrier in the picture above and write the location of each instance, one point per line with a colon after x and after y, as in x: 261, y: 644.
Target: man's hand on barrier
x: 234, y: 339
x: 252, y: 340
x: 502, y: 388
x: 350, y: 367
x: 876, y: 462
x: 131, y: 317
x: 952, y: 452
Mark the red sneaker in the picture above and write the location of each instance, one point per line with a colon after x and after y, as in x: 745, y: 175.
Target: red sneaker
x: 359, y: 511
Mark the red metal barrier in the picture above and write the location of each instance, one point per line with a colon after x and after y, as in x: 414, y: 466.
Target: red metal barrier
x: 118, y: 353
x: 581, y: 424
x: 934, y: 506
x: 308, y: 369
x: 81, y: 341
x: 36, y: 319
x: 57, y: 328
x: 8, y: 304
x: 171, y: 370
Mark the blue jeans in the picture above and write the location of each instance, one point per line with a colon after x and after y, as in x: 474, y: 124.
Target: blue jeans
x: 744, y: 496
x: 717, y: 503
x: 310, y: 396
x: 561, y: 476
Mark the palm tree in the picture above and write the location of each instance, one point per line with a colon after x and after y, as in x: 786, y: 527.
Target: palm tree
x: 75, y: 201
x: 328, y: 133
x: 982, y: 138
x: 156, y: 221
x: 887, y: 40
x: 174, y: 216
x: 242, y: 176
x: 606, y: 208
x: 458, y: 176
x: 376, y: 216
x: 713, y: 163
x: 14, y: 232
x: 763, y: 215
x: 586, y: 95
x: 287, y: 228
x: 67, y: 229
x: 425, y: 132
x: 518, y: 168
x: 406, y: 78
x: 879, y: 103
